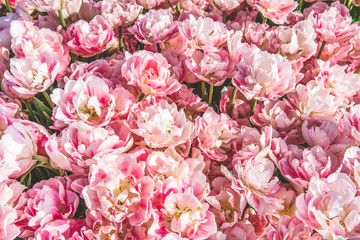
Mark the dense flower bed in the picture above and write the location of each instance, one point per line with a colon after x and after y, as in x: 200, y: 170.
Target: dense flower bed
x: 179, y: 119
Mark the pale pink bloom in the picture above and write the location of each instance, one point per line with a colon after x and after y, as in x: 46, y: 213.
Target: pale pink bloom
x: 181, y: 210
x: 154, y: 27
x: 47, y: 5
x: 162, y: 165
x: 9, y: 106
x: 11, y: 26
x: 47, y: 201
x: 150, y: 72
x: 148, y: 4
x: 60, y: 229
x: 124, y: 100
x: 280, y: 114
x: 335, y: 51
x: 255, y: 177
x: 330, y: 206
x: 277, y: 11
x: 118, y: 188
x: 87, y: 39
x: 341, y: 84
x: 314, y: 100
x: 10, y: 192
x: 262, y: 75
x: 38, y: 42
x: 349, y: 124
x: 351, y: 156
x: 190, y: 102
x: 8, y: 228
x: 29, y: 76
x: 245, y: 229
x: 100, y: 226
x: 255, y: 33
x: 226, y: 203
x: 71, y: 8
x: 235, y: 46
x: 300, y: 166
x: 177, y: 45
x: 325, y: 134
x: 295, y: 43
x: 227, y: 5
x: 87, y: 100
x: 20, y: 141
x: 289, y: 228
x: 211, y: 67
x: 204, y: 33
x: 161, y: 125
x: 79, y: 146
x: 215, y: 134
x: 122, y: 13
x: 88, y: 10
x: 241, y: 106
x: 332, y: 24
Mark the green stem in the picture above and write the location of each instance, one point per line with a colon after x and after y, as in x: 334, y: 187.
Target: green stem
x: 178, y: 9
x: 202, y: 89
x: 158, y: 47
x: 349, y: 4
x: 62, y: 20
x: 211, y: 91
x: 121, y: 39
x: 264, y: 19
x: 357, y: 70
x: 299, y: 7
x: 321, y: 49
x: 253, y: 107
x: 8, y: 8
x: 48, y: 99
x: 27, y: 104
x: 232, y: 100
x: 224, y: 16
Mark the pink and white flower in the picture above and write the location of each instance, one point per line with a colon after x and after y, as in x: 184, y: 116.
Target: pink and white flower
x: 119, y: 189
x: 262, y: 75
x: 330, y: 206
x: 87, y: 100
x: 154, y: 27
x: 161, y: 125
x: 87, y: 39
x: 150, y: 72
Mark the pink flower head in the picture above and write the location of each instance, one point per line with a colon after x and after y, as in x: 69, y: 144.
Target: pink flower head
x: 122, y: 13
x: 20, y: 141
x: 118, y: 187
x: 154, y: 27
x: 87, y: 100
x: 314, y: 100
x: 289, y: 228
x: 148, y: 4
x: 150, y: 72
x: 349, y: 124
x: 161, y: 125
x: 341, y: 84
x: 262, y: 75
x: 241, y: 106
x: 277, y: 11
x: 299, y: 167
x: 334, y: 23
x: 12, y: 3
x: 227, y: 5
x: 226, y: 203
x: 10, y: 192
x: 29, y: 76
x: 204, y: 33
x: 296, y: 43
x: 38, y: 42
x: 211, y: 67
x: 79, y: 146
x: 215, y: 134
x: 60, y: 229
x: 280, y: 114
x: 46, y: 201
x: 255, y: 177
x: 330, y: 206
x: 88, y: 39
x: 181, y: 212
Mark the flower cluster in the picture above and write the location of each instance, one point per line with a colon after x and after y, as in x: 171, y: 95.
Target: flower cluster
x: 179, y: 119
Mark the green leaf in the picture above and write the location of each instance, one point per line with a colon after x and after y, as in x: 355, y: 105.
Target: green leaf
x: 41, y: 107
